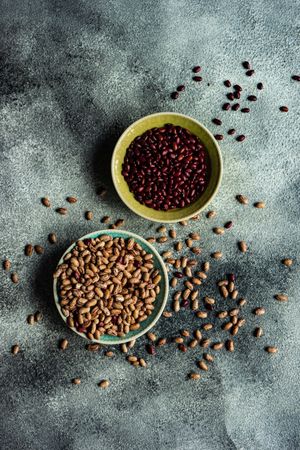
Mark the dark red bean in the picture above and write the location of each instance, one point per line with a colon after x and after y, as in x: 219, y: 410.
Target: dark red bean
x: 197, y: 78
x: 231, y: 277
x: 217, y: 121
x: 196, y: 69
x: 227, y: 83
x: 284, y: 108
x: 231, y: 131
x: 185, y: 303
x: 249, y: 73
x: 241, y: 138
x: 252, y: 98
x: 226, y: 106
x: 237, y: 87
x: 181, y: 88
x: 178, y: 274
x: 235, y: 107
x: 246, y: 65
x: 245, y: 110
x: 174, y: 95
x: 230, y: 96
x: 296, y: 77
x: 228, y: 225
x: 260, y: 86
x: 237, y: 94
x: 150, y: 349
x: 219, y: 137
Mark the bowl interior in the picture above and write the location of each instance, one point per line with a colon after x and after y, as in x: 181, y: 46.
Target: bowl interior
x: 159, y: 120
x: 159, y: 303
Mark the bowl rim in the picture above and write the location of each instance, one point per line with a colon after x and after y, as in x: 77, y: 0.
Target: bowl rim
x: 120, y: 340
x: 216, y: 188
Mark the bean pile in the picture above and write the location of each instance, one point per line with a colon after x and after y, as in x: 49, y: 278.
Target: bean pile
x: 166, y: 167
x: 107, y: 286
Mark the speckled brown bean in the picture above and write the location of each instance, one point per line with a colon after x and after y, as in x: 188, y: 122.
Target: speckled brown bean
x: 205, y: 343
x: 89, y: 215
x: 63, y: 344
x: 281, y: 297
x: 259, y: 311
x: 288, y: 262
x: 104, y: 384
x: 161, y: 342
x: 15, y: 278
x: 211, y: 214
x: 52, y: 238
x: 217, y: 345
x: 15, y: 349
x: 224, y: 291
x: 202, y: 365
x: 46, y: 202
x: 242, y: 246
x: 206, y: 266
x: 258, y: 332
x: 30, y: 319
x: 208, y: 357
x: 229, y: 345
x: 271, y: 349
x: 194, y: 376
x: 217, y: 255
x: 39, y: 250
x: 28, y: 250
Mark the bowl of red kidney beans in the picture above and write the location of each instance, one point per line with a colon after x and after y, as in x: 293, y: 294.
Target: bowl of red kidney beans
x: 167, y: 167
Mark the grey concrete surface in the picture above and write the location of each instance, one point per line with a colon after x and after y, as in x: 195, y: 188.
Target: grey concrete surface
x: 74, y: 74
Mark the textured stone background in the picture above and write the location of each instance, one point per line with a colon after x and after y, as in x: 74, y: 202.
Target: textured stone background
x: 74, y: 74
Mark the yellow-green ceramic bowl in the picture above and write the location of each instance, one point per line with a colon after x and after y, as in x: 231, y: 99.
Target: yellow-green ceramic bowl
x: 159, y: 120
x: 159, y: 303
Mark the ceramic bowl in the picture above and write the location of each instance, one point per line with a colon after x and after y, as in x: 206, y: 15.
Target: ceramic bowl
x: 159, y: 303
x: 159, y: 120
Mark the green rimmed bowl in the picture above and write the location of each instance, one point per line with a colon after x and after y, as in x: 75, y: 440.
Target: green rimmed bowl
x: 159, y: 303
x: 159, y: 120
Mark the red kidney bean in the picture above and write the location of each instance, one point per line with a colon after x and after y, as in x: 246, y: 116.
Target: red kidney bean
x: 296, y: 77
x: 237, y: 87
x: 231, y: 131
x: 197, y: 78
x: 260, y: 86
x: 181, y: 88
x: 249, y: 73
x: 217, y: 121
x: 227, y: 83
x: 150, y: 349
x: 246, y: 65
x: 237, y: 94
x: 226, y: 106
x: 185, y: 303
x: 231, y: 277
x: 230, y: 96
x: 241, y: 138
x: 252, y: 98
x: 235, y: 107
x: 219, y: 137
x: 196, y: 69
x: 178, y: 274
x: 284, y: 108
x: 245, y: 110
x: 228, y: 225
x: 174, y: 95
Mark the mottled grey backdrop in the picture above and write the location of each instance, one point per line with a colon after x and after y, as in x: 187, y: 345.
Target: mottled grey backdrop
x: 74, y: 74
